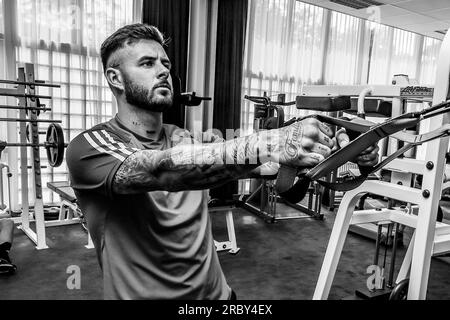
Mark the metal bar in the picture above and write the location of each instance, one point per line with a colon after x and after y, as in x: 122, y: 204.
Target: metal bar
x: 30, y: 233
x: 63, y: 222
x: 393, y: 256
x: 377, y: 245
x: 26, y: 108
x: 25, y: 216
x: 388, y: 91
x: 432, y: 181
x: 10, y: 92
x: 406, y: 264
x: 37, y: 84
x: 266, y: 216
x: 293, y: 217
x: 21, y: 95
x: 230, y: 229
x: 36, y: 163
x: 310, y: 213
x: 30, y: 145
x: 30, y: 120
x: 90, y: 244
x: 254, y: 193
x: 336, y: 242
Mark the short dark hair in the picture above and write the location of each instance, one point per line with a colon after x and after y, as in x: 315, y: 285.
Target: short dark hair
x: 127, y: 35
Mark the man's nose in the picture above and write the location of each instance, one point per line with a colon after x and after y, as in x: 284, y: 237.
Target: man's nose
x: 164, y: 72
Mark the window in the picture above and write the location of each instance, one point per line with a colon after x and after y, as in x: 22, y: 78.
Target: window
x: 291, y: 43
x: 394, y: 51
x: 343, y: 49
x: 62, y: 39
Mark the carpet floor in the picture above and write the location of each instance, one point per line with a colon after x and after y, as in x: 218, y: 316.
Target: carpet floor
x: 276, y: 261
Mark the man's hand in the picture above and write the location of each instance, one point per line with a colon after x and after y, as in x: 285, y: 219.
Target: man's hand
x: 305, y: 143
x: 367, y: 158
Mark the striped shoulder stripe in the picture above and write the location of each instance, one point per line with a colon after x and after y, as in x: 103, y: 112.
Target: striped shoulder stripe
x: 102, y: 141
x: 92, y: 141
x: 108, y: 141
x: 111, y: 140
x: 119, y: 144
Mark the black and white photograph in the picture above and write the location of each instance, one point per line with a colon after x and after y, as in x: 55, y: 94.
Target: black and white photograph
x: 224, y: 155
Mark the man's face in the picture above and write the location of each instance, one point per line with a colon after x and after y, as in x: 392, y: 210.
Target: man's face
x: 147, y: 82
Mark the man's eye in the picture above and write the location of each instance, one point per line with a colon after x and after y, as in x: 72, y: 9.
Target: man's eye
x: 147, y: 64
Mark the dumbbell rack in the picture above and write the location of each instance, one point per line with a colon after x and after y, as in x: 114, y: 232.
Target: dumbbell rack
x: 28, y: 102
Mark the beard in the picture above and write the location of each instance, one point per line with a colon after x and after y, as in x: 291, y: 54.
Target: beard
x: 145, y: 98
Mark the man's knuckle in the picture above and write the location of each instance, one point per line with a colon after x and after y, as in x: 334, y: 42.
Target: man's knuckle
x: 312, y: 132
x: 307, y: 143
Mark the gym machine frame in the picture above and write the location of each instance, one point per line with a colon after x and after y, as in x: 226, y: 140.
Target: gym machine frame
x: 229, y: 245
x: 399, y: 95
x: 26, y: 96
x: 430, y: 236
x: 29, y: 107
x: 266, y: 188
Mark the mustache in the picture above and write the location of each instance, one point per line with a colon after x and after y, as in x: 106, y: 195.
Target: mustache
x: 163, y: 84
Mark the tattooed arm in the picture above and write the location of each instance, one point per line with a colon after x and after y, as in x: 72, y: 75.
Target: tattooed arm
x: 202, y: 166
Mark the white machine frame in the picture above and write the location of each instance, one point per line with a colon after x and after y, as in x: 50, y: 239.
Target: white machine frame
x: 26, y: 73
x: 229, y: 245
x: 38, y: 235
x: 430, y: 236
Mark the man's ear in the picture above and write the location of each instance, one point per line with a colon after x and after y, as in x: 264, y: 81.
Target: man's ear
x: 115, y: 78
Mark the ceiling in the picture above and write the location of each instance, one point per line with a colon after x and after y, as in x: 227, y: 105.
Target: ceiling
x: 421, y: 16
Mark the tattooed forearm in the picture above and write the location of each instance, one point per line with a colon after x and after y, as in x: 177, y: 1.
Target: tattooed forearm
x: 202, y: 166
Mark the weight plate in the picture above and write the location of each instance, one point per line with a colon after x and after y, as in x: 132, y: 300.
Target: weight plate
x: 28, y: 132
x: 400, y: 291
x: 55, y: 148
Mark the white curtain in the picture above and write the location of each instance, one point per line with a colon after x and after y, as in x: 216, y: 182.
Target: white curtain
x: 343, y: 49
x: 428, y: 62
x: 394, y: 51
x: 62, y: 39
x: 291, y: 43
x: 284, y: 49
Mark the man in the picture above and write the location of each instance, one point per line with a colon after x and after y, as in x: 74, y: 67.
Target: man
x: 6, y: 239
x: 141, y: 183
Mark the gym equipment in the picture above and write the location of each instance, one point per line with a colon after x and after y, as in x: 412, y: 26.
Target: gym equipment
x: 371, y: 134
x: 36, y: 83
x: 400, y: 291
x: 55, y: 137
x: 324, y: 104
x: 69, y: 211
x: 26, y: 108
x: 30, y: 120
x: 54, y: 145
x: 265, y: 111
x: 430, y: 237
x: 189, y: 99
x: 384, y: 290
x: 6, y: 93
x: 3, y: 206
x: 332, y: 105
x: 28, y: 132
x: 229, y: 245
x: 29, y: 108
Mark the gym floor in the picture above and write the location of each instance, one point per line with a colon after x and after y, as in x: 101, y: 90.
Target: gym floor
x: 278, y: 261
